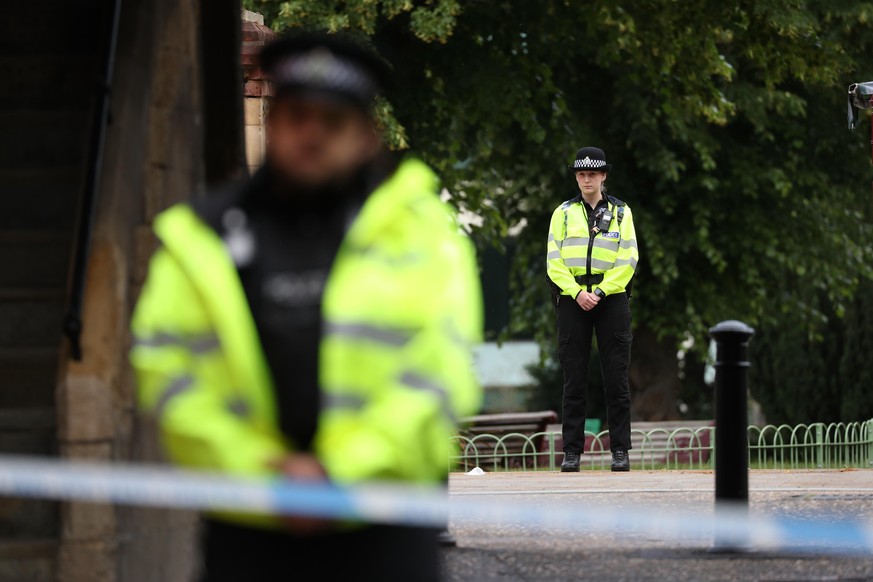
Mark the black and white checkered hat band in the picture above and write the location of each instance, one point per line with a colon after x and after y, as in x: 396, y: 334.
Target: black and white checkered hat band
x: 589, y: 163
x: 322, y: 69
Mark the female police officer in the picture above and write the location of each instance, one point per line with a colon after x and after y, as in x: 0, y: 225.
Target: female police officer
x: 592, y: 255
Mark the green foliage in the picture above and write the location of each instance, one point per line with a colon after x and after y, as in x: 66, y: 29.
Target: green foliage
x: 431, y: 21
x: 855, y: 371
x: 820, y: 373
x: 725, y: 122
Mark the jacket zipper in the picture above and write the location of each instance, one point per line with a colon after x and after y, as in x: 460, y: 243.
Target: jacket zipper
x: 591, y: 236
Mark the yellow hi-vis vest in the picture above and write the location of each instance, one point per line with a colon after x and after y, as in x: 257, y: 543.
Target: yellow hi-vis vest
x: 573, y: 250
x: 401, y: 308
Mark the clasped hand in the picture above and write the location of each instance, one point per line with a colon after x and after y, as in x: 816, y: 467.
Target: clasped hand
x: 304, y: 468
x: 587, y: 301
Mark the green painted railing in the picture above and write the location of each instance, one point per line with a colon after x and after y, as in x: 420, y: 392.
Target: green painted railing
x: 805, y: 446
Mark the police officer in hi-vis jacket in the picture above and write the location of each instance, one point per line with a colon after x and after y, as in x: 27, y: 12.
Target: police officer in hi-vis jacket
x: 313, y: 323
x: 592, y: 256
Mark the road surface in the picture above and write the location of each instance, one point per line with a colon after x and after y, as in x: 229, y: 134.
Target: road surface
x: 519, y: 552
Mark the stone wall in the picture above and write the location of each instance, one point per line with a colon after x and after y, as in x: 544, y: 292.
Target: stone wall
x: 154, y: 158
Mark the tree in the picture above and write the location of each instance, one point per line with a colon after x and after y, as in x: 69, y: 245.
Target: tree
x: 724, y: 121
x: 855, y: 379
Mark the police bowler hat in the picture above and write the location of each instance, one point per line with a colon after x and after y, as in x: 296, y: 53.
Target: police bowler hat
x: 590, y: 159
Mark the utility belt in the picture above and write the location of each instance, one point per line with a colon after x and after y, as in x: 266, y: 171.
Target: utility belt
x: 594, y: 279
x: 585, y: 280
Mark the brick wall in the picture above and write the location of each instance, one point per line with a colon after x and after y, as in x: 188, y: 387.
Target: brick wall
x: 258, y: 89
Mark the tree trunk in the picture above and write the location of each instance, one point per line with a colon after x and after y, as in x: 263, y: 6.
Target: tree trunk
x: 654, y: 377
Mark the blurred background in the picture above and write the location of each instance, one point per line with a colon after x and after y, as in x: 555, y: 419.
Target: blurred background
x: 726, y: 125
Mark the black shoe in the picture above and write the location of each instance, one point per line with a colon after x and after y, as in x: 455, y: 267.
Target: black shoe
x: 620, y: 460
x: 571, y: 463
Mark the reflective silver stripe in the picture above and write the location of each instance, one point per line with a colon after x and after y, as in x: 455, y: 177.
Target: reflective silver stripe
x: 238, y: 407
x: 205, y: 345
x: 576, y: 241
x: 418, y: 382
x: 551, y: 237
x: 361, y: 331
x: 553, y: 255
x: 603, y: 243
x: 454, y: 334
x: 631, y: 261
x: 342, y: 401
x: 603, y: 265
x: 176, y: 386
x: 401, y: 260
x: 575, y: 262
x: 630, y: 243
x: 197, y: 344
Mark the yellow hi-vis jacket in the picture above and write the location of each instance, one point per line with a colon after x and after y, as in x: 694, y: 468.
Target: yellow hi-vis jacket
x: 401, y: 308
x: 573, y: 250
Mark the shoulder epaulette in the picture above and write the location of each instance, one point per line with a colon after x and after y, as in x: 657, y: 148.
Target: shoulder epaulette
x: 566, y: 204
x: 620, y: 204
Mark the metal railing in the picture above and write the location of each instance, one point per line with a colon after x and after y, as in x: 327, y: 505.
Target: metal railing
x: 813, y: 446
x: 805, y: 446
x: 87, y: 212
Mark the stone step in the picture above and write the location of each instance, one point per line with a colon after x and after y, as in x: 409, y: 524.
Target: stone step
x: 30, y: 341
x: 30, y: 560
x: 26, y: 431
x: 46, y: 81
x: 21, y: 519
x: 31, y: 323
x: 64, y: 26
x: 34, y: 259
x: 42, y: 139
x: 28, y: 377
x: 39, y: 198
x: 12, y: 294
x: 27, y: 420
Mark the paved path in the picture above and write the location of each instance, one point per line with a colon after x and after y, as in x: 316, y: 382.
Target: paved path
x: 593, y: 482
x: 515, y: 551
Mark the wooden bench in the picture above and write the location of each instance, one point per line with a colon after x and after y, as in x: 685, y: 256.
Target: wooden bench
x: 506, y: 450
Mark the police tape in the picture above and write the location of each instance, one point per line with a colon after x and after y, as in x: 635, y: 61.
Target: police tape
x: 160, y: 486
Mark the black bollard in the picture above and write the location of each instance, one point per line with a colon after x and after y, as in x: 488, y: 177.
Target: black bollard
x: 731, y: 427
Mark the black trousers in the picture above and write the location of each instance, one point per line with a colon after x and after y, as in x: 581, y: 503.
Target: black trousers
x: 233, y: 553
x: 611, y: 321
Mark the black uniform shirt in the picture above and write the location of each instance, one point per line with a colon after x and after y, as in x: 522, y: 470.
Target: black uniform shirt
x: 295, y: 246
x: 296, y: 239
x: 590, y: 212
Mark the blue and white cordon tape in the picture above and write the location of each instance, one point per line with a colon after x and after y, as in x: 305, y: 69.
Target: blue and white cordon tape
x: 159, y: 486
